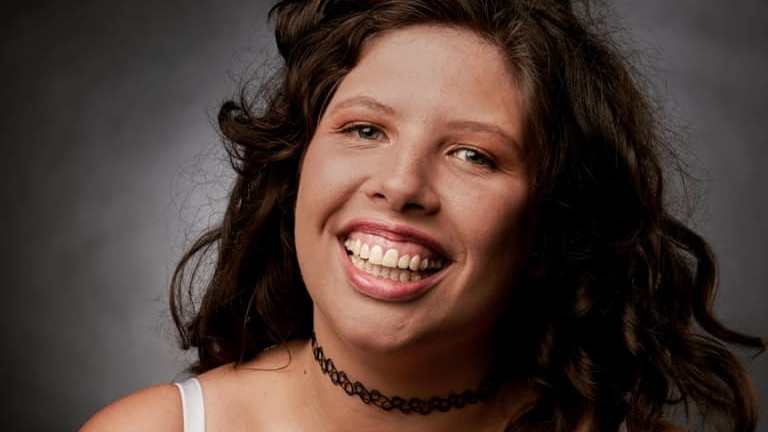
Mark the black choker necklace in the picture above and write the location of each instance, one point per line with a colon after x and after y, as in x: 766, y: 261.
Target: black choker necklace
x: 388, y: 403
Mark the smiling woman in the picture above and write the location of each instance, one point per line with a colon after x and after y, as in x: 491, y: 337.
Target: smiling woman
x: 411, y: 187
x: 449, y: 215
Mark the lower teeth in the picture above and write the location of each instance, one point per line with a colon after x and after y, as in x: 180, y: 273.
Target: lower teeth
x: 395, y: 274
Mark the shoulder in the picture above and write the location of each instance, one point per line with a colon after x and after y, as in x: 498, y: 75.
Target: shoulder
x: 155, y: 408
x: 234, y: 395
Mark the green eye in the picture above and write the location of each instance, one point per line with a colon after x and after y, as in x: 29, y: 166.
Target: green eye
x: 364, y: 131
x: 474, y: 157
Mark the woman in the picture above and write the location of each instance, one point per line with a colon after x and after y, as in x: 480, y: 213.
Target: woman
x: 453, y: 212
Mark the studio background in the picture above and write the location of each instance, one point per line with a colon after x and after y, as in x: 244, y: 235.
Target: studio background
x: 110, y: 164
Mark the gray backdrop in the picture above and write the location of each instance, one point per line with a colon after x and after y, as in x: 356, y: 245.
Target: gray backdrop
x: 109, y: 164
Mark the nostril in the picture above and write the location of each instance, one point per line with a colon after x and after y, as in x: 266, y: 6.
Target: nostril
x: 402, y: 189
x: 411, y: 206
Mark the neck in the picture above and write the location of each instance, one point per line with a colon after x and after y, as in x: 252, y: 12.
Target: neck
x: 421, y: 371
x: 408, y: 405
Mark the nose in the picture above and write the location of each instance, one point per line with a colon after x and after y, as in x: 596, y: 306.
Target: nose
x: 403, y: 179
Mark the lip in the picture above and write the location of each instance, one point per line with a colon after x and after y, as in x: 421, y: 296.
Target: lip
x: 387, y: 289
x: 394, y: 232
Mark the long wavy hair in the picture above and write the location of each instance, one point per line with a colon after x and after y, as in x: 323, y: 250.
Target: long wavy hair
x: 615, y: 323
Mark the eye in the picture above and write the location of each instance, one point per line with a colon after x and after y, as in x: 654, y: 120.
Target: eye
x: 364, y: 132
x: 475, y: 157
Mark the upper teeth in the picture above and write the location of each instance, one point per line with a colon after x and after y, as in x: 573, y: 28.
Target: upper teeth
x: 391, y: 257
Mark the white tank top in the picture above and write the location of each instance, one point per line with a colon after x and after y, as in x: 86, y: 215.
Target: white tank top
x: 192, y: 405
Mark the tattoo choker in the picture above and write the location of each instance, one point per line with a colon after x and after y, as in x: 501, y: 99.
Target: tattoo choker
x: 389, y: 403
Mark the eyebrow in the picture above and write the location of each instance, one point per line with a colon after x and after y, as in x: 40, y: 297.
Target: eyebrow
x: 475, y: 126
x: 466, y: 125
x: 366, y: 101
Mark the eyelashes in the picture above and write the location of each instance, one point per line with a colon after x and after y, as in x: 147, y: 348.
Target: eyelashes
x: 364, y: 131
x: 474, y: 157
x: 367, y: 132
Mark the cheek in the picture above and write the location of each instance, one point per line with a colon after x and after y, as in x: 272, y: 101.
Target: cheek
x: 309, y: 200
x: 327, y: 181
x: 319, y: 176
x: 502, y: 228
x: 499, y: 209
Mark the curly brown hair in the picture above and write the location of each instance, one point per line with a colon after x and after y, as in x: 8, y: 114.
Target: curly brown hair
x: 616, y: 319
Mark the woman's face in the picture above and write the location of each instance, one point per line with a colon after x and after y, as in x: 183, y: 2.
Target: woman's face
x: 412, y: 216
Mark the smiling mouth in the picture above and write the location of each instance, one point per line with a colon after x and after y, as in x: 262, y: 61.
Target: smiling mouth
x: 391, y: 263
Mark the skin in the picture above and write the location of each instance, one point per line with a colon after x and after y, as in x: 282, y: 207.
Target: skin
x: 424, y: 134
x: 420, y: 147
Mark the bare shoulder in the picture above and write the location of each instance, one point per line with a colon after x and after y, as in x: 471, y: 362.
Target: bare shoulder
x: 155, y: 408
x: 234, y: 395
x: 256, y: 394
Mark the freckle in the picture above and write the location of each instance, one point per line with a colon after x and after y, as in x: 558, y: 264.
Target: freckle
x: 305, y: 371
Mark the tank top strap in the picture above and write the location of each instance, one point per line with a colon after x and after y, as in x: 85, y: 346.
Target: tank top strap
x: 192, y: 405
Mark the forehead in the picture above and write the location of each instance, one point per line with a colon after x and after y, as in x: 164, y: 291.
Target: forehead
x: 436, y: 48
x: 448, y: 71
